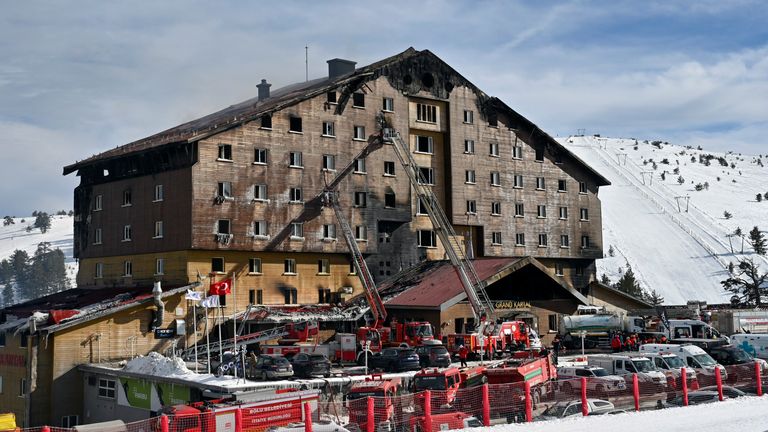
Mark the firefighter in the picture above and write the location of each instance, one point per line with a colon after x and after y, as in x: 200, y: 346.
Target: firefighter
x: 616, y: 343
x: 463, y: 352
x: 556, y: 347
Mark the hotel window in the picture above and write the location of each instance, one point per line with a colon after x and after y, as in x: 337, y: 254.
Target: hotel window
x: 582, y: 187
x: 539, y: 154
x: 517, y: 152
x: 494, y: 149
x: 471, y: 207
x: 565, y: 241
x: 358, y: 133
x: 260, y: 228
x: 224, y: 189
x: 266, y: 121
x: 217, y: 265
x: 563, y: 212
x: 359, y: 167
x: 107, y: 388
x: 260, y: 192
x: 496, y: 208
x: 495, y: 178
x: 421, y: 208
x: 427, y: 238
x: 289, y: 266
x: 541, y: 211
x: 329, y: 163
x: 127, y: 269
x: 388, y: 104
x: 225, y: 152
x: 496, y: 237
x: 291, y: 296
x: 328, y: 129
x: 330, y: 97
x: 127, y: 233
x: 361, y: 233
x: 294, y: 160
x: 97, y: 236
x: 260, y: 156
x: 469, y: 116
x: 98, y: 272
x: 127, y: 199
x: 427, y: 176
x: 424, y: 144
x: 541, y: 183
x: 158, y: 230
x: 518, y: 181
x: 389, y: 168
x: 358, y: 100
x: 97, y: 202
x: 294, y: 124
x: 223, y: 226
x: 469, y: 176
x: 469, y: 146
x: 324, y: 296
x: 561, y: 186
x: 552, y: 321
x: 256, y: 296
x: 585, y: 242
x: 542, y: 240
x: 158, y: 193
x: 426, y: 113
x: 295, y: 195
x: 329, y: 231
x: 584, y: 214
x: 519, y: 210
x: 559, y: 269
x: 297, y: 230
x: 159, y: 266
x: 360, y: 199
x: 323, y: 266
x: 520, y: 239
x: 352, y: 269
x: 254, y: 266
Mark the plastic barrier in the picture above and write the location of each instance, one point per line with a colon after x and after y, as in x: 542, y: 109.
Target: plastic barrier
x: 684, y: 385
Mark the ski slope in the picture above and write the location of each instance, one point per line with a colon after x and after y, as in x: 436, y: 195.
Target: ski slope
x: 674, y: 237
x: 13, y: 237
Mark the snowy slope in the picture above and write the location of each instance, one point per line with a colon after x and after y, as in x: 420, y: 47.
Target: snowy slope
x: 681, y: 254
x: 13, y: 237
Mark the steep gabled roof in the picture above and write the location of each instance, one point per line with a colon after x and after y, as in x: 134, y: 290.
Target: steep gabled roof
x: 410, y: 71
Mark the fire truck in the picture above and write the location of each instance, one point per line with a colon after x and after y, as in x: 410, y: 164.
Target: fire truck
x: 258, y: 412
x: 386, y: 401
x: 446, y: 382
x: 505, y: 336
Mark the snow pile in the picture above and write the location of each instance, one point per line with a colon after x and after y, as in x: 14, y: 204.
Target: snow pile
x: 746, y: 414
x: 158, y: 365
x: 683, y: 255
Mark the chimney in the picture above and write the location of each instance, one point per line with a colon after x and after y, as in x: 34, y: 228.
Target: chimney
x: 263, y: 90
x: 339, y: 66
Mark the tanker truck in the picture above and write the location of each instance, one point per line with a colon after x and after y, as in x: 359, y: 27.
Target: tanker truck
x: 596, y: 324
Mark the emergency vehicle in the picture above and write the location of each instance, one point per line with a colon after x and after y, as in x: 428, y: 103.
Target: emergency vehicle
x: 506, y: 336
x: 387, y: 404
x: 445, y: 383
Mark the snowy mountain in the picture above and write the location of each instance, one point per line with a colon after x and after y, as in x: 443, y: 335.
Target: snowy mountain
x: 15, y: 236
x: 673, y: 231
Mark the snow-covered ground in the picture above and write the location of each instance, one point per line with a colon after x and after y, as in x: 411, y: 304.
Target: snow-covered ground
x: 748, y: 414
x: 681, y: 254
x: 15, y: 236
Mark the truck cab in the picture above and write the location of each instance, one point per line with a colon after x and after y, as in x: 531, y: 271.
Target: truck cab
x: 384, y: 392
x: 446, y: 382
x: 625, y: 365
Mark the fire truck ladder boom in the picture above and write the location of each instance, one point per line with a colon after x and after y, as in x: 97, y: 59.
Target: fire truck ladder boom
x: 251, y: 338
x: 473, y: 286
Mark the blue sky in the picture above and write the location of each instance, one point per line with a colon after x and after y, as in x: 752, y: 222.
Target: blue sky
x: 81, y: 77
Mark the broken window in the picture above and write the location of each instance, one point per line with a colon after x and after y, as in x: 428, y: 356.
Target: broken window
x: 225, y: 152
x: 427, y: 238
x: 331, y: 97
x: 426, y: 113
x: 427, y: 176
x: 291, y: 295
x: 266, y: 121
x: 561, y: 185
x: 389, y: 168
x: 424, y: 144
x: 224, y: 189
x: 539, y: 154
x: 358, y: 100
x: 389, y: 200
x: 360, y: 199
x: 223, y: 226
x: 421, y: 207
x: 217, y: 265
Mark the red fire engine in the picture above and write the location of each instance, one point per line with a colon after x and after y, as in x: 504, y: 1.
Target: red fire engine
x: 386, y: 402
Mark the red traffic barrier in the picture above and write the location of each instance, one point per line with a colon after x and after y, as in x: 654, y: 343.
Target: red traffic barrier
x: 308, y: 417
x: 719, y: 383
x: 584, y: 405
x: 486, y: 406
x: 636, y: 388
x: 684, y: 385
x: 528, y: 403
x: 759, y: 377
x: 45, y: 429
x: 370, y: 423
x: 427, y: 410
x: 164, y: 425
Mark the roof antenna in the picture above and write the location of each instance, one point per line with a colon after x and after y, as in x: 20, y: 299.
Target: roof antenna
x: 306, y: 62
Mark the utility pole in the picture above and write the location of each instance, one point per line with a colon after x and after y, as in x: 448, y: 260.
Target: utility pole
x: 649, y: 174
x: 621, y: 158
x: 687, y: 201
x: 306, y: 63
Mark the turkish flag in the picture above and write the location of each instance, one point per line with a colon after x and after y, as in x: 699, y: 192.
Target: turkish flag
x: 221, y: 288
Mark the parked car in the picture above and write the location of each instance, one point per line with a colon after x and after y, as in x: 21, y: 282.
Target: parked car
x: 731, y: 392
x: 598, y: 379
x: 572, y: 408
x: 697, y: 397
x: 433, y: 356
x: 395, y: 360
x: 306, y: 365
x: 269, y: 366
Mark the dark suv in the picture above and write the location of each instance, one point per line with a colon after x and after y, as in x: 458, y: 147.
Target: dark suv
x: 395, y: 360
x: 433, y: 356
x: 306, y: 365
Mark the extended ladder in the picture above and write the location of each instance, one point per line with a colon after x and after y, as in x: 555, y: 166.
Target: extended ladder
x: 473, y: 286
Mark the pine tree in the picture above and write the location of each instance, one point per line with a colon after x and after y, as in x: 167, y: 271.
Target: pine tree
x: 757, y: 239
x: 748, y: 286
x: 727, y: 214
x: 8, y: 221
x: 605, y: 280
x: 43, y: 221
x: 628, y: 284
x: 759, y: 197
x: 654, y: 297
x: 680, y: 180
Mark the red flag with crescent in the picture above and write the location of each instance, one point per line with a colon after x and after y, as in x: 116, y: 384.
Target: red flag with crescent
x: 221, y: 287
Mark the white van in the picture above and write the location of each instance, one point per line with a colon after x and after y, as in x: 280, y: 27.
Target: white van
x: 671, y: 365
x: 694, y: 357
x: 598, y: 379
x: 755, y: 345
x: 625, y: 365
